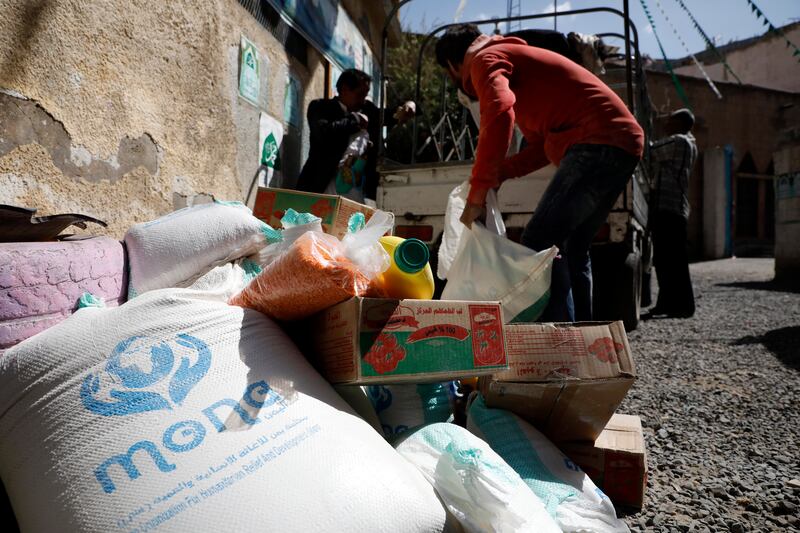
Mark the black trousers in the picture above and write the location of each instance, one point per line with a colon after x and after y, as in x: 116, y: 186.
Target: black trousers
x: 675, y: 294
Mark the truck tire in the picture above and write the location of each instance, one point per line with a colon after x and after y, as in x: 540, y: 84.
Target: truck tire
x: 8, y: 521
x: 632, y: 279
x: 647, y: 270
x: 617, y: 280
x: 40, y: 282
x: 647, y: 289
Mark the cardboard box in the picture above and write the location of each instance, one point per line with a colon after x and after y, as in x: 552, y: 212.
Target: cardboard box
x: 376, y: 340
x: 566, y: 379
x: 617, y: 461
x: 335, y: 211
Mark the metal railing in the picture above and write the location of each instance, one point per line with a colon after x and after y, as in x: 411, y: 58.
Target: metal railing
x: 635, y: 88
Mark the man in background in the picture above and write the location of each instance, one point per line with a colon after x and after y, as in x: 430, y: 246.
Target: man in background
x: 569, y: 118
x: 333, y: 122
x: 672, y: 159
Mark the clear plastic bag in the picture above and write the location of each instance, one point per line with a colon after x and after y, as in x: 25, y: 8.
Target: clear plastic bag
x: 362, y: 246
x: 454, y: 229
x: 317, y: 271
x: 311, y: 275
x: 294, y: 225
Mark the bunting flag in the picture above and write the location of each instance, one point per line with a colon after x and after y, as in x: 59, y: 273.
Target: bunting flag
x: 686, y: 49
x: 678, y: 86
x: 709, y: 42
x: 772, y: 29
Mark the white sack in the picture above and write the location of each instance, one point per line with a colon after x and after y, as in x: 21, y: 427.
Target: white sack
x: 178, y: 412
x: 567, y: 492
x: 180, y: 246
x: 477, y: 486
x: 225, y: 281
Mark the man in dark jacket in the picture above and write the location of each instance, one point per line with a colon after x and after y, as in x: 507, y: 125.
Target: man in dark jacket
x: 332, y: 122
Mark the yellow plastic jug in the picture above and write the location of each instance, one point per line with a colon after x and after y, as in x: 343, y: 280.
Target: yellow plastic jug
x: 409, y: 275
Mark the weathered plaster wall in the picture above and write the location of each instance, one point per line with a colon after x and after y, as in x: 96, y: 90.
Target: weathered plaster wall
x: 121, y: 112
x: 276, y: 65
x: 25, y: 121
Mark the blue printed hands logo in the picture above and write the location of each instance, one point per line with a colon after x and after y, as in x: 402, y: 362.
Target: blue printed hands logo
x: 380, y: 396
x: 128, y: 366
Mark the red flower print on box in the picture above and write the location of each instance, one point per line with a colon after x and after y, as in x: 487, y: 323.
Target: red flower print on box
x: 604, y: 349
x: 385, y: 354
x: 321, y: 208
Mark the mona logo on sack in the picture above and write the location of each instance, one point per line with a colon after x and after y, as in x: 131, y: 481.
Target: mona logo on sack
x: 140, y: 363
x: 170, y: 369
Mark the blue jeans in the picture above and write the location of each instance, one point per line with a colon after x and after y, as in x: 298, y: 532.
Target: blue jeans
x: 575, y: 205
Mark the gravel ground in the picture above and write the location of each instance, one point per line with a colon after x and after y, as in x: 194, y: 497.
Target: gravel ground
x: 718, y: 396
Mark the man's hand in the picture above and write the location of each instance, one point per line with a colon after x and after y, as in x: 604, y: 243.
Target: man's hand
x: 472, y: 212
x: 405, y: 112
x: 363, y: 121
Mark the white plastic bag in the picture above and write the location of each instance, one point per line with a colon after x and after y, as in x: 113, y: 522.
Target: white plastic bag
x: 351, y: 174
x: 477, y: 486
x: 454, y: 229
x: 357, y: 146
x: 489, y: 267
x: 570, y: 497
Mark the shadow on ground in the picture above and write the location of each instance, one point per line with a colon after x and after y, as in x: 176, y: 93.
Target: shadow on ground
x: 770, y: 285
x: 783, y: 342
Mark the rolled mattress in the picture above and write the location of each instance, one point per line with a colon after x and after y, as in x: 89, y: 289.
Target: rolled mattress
x: 40, y: 282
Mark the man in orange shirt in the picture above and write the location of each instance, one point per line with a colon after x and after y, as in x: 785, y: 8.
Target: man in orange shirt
x: 569, y: 118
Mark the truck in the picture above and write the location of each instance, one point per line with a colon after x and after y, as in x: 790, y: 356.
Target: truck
x: 621, y: 253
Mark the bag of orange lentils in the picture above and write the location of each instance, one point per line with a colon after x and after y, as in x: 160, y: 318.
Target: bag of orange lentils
x: 318, y: 270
